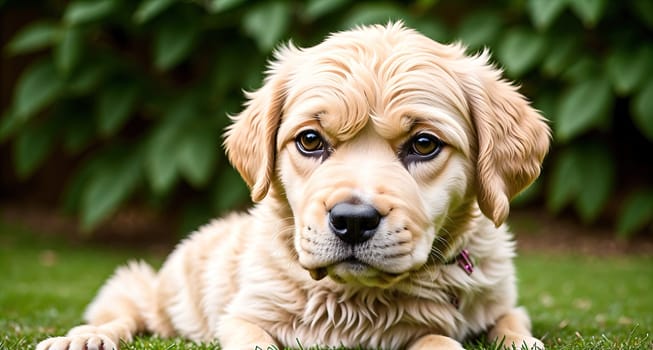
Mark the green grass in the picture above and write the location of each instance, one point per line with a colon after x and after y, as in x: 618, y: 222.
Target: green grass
x: 576, y: 302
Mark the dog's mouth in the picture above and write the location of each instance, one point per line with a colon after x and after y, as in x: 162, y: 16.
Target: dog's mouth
x: 355, y: 272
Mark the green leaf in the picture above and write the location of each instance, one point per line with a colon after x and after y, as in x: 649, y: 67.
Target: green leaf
x: 584, y: 106
x: 581, y: 69
x: 479, y: 29
x: 318, y: 8
x: 230, y: 191
x: 161, y: 160
x: 35, y: 36
x: 566, y: 180
x: 566, y: 51
x: 115, y: 104
x: 9, y: 124
x: 433, y: 29
x: 267, y: 23
x: 598, y: 171
x: 374, y: 13
x: 224, y: 77
x: 68, y: 51
x: 520, y: 50
x: 628, y: 68
x: 589, y: 11
x: 37, y: 87
x: 183, y: 109
x: 81, y: 11
x: 173, y: 43
x: 78, y: 135
x: 642, y: 110
x: 585, y: 176
x: 31, y: 147
x: 635, y: 213
x: 643, y: 9
x: 546, y: 104
x: 197, y: 154
x: 87, y: 78
x: 149, y: 9
x: 108, y: 188
x: 76, y: 186
x: 544, y: 12
x: 224, y: 5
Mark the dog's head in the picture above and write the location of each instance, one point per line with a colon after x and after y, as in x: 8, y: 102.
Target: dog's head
x: 383, y: 142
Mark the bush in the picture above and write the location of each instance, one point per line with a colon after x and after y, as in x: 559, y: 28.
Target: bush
x: 140, y: 90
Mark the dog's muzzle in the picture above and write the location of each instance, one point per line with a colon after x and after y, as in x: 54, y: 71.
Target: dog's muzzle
x: 355, y: 223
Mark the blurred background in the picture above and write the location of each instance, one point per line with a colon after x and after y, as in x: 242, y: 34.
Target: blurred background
x: 113, y: 110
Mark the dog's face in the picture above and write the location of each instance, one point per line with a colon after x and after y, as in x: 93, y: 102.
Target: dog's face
x: 382, y: 142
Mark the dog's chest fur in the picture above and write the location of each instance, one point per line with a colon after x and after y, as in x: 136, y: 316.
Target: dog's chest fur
x: 261, y: 286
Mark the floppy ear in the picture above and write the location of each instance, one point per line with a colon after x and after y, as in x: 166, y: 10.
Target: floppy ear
x: 513, y: 139
x: 250, y: 140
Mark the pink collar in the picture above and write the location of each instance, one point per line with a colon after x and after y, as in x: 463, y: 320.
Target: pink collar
x: 464, y: 260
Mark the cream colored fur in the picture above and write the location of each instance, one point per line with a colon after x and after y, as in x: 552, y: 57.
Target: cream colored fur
x: 245, y: 280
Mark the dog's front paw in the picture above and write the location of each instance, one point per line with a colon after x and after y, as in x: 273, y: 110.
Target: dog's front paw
x: 435, y: 342
x: 80, y: 341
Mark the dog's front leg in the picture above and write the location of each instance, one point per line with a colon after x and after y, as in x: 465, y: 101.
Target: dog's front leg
x: 236, y: 334
x: 514, y: 329
x: 435, y: 342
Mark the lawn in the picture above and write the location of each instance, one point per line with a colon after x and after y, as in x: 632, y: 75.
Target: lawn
x: 576, y: 302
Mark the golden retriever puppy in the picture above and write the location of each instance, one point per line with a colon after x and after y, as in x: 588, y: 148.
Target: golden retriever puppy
x: 382, y: 164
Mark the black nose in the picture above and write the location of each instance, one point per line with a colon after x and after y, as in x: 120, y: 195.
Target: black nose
x: 354, y: 223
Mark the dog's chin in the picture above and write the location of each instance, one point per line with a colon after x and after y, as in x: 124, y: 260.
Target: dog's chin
x: 356, y: 273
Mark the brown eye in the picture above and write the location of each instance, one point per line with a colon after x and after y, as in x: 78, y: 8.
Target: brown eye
x: 310, y: 143
x: 425, y: 145
x: 422, y: 147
